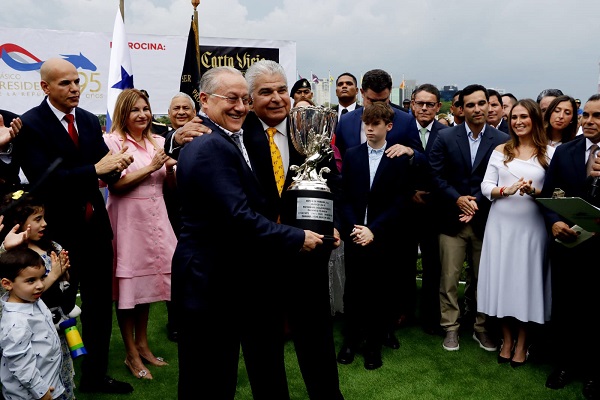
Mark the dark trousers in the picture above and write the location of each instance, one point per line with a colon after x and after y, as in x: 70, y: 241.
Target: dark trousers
x: 308, y: 312
x: 91, y: 274
x: 209, y: 347
x: 574, y: 304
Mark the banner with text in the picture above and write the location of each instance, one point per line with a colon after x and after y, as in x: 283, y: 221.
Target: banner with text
x: 157, y: 63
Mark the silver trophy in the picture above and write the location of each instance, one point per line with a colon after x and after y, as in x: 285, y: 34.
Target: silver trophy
x: 308, y: 202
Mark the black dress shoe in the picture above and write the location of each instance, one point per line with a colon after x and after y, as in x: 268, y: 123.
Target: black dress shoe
x: 558, y: 379
x: 346, y: 355
x: 105, y: 385
x: 590, y: 390
x: 373, y: 360
x: 172, y: 333
x: 391, y: 341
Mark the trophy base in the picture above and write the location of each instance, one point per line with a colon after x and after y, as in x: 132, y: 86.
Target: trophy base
x: 309, y: 209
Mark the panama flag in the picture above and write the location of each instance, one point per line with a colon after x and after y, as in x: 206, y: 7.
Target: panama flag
x: 120, y: 73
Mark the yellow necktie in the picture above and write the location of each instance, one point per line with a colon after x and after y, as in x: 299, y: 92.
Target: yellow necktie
x: 276, y: 160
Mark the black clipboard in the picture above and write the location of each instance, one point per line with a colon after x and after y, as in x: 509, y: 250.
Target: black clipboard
x: 576, y: 210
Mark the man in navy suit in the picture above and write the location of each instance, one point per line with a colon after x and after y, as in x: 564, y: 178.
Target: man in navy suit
x: 574, y: 290
x: 458, y: 159
x: 224, y: 294
x: 377, y: 86
x: 68, y: 174
x: 425, y: 219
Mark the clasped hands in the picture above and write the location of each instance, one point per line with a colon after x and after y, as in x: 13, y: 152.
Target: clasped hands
x: 362, y: 235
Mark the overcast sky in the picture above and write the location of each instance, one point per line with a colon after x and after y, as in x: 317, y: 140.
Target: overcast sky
x: 521, y: 46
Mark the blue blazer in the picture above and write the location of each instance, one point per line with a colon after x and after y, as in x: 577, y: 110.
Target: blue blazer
x: 454, y: 176
x: 347, y: 132
x: 387, y: 198
x: 222, y: 205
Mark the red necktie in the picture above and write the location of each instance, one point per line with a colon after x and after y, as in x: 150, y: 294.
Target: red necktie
x: 71, y: 128
x: 89, y: 209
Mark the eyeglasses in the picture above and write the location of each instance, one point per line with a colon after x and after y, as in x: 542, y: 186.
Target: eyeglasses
x: 232, y: 100
x: 456, y: 104
x: 429, y: 104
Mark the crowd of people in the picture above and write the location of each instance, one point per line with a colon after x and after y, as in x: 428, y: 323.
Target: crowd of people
x: 195, y: 217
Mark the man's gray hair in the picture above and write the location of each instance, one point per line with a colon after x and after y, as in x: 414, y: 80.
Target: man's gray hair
x: 210, y: 79
x: 185, y: 96
x: 263, y: 67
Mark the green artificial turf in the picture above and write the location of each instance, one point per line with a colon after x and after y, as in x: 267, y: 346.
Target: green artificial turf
x: 420, y: 369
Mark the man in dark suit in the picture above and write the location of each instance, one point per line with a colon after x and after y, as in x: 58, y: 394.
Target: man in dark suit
x: 75, y: 210
x: 496, y: 112
x: 574, y: 292
x: 305, y: 281
x: 377, y: 86
x: 424, y: 212
x: 346, y: 90
x: 10, y: 125
x: 226, y: 295
x: 458, y: 159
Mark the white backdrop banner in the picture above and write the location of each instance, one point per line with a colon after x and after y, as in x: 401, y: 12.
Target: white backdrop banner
x: 157, y: 63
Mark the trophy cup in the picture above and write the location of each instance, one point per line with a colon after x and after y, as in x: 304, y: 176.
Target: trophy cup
x: 308, y: 202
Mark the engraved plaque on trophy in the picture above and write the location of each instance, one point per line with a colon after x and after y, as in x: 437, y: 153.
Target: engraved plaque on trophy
x: 308, y: 202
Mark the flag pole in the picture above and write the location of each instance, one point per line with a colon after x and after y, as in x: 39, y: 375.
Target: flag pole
x: 122, y: 7
x: 196, y: 28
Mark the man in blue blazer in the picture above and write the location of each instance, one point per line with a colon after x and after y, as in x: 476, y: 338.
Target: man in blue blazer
x: 221, y: 273
x: 574, y: 277
x: 458, y: 160
x: 424, y: 215
x: 67, y: 174
x: 377, y: 86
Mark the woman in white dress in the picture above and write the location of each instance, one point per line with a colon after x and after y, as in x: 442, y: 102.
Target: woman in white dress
x: 513, y: 282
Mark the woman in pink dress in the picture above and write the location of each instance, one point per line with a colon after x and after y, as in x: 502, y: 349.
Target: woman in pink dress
x: 144, y: 240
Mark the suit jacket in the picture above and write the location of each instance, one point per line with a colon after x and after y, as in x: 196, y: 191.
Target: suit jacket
x: 387, y: 198
x: 347, y: 133
x: 450, y: 160
x: 503, y: 127
x: 73, y: 183
x: 9, y: 172
x: 257, y: 145
x: 424, y: 178
x: 222, y: 202
x: 567, y: 171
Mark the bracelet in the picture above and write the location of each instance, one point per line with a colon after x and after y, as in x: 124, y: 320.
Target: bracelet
x: 170, y: 171
x: 502, y: 191
x: 532, y: 192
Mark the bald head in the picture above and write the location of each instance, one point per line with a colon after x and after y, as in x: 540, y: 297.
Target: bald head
x: 60, y: 82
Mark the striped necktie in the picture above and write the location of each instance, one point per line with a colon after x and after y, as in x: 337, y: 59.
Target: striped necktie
x: 276, y: 160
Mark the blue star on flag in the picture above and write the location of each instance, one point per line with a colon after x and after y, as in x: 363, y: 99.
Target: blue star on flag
x: 126, y: 81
